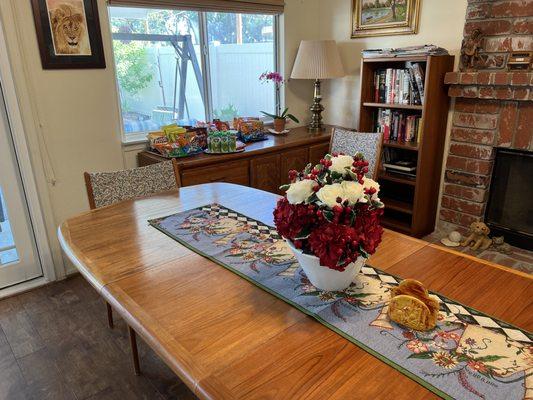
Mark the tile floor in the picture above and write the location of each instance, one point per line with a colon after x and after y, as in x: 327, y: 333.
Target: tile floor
x: 55, y: 345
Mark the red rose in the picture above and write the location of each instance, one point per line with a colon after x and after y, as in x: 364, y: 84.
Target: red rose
x: 368, y: 228
x: 334, y: 245
x: 291, y: 219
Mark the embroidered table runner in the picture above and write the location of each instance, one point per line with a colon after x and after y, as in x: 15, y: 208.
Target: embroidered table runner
x: 469, y: 355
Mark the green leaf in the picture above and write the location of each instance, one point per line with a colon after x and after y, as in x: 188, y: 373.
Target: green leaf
x: 304, y: 234
x: 462, y: 357
x: 284, y: 113
x: 352, y: 174
x: 312, y: 199
x: 328, y: 215
x: 335, y: 175
x: 290, y: 116
x: 358, y: 295
x: 353, y: 214
x: 313, y: 293
x: 489, y: 358
x: 426, y: 355
x: 269, y: 115
x: 363, y: 252
x: 285, y: 187
x: 308, y: 169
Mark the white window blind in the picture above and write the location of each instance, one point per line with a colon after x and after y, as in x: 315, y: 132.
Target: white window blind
x: 238, y: 6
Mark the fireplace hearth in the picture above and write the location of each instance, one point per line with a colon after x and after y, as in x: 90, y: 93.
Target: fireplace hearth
x: 509, y: 209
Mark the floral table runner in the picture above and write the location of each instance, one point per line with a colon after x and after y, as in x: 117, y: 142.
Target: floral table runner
x: 469, y: 355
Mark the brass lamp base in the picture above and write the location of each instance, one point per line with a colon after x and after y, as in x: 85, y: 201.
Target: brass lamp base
x: 316, y: 110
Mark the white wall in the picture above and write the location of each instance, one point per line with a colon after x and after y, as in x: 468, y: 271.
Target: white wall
x: 300, y: 21
x: 441, y: 23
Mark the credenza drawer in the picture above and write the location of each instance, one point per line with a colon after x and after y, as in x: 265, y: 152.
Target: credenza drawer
x: 230, y: 172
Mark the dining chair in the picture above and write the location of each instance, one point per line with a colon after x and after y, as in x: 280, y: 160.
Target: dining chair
x: 351, y: 142
x: 106, y: 188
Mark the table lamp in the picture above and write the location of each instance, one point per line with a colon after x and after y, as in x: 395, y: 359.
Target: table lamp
x: 317, y: 59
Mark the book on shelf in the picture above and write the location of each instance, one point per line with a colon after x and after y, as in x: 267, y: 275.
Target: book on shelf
x: 402, y: 174
x: 400, y: 86
x: 398, y: 162
x: 423, y: 50
x: 398, y: 126
x: 403, y: 166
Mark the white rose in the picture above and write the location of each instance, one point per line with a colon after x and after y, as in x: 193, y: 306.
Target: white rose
x: 352, y: 191
x: 368, y: 184
x: 300, y: 191
x: 328, y: 194
x: 339, y: 164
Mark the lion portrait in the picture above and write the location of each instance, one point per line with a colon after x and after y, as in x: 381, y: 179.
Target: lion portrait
x: 69, y: 30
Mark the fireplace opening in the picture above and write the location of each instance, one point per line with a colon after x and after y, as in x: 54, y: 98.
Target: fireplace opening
x: 510, y: 206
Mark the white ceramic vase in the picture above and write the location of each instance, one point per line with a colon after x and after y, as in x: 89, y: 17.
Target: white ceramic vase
x: 325, y: 278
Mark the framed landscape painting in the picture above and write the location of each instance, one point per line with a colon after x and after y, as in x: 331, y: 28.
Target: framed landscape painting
x: 68, y: 32
x: 384, y: 17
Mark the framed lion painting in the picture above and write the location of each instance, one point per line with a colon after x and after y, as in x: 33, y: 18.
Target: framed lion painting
x: 68, y: 32
x: 384, y: 17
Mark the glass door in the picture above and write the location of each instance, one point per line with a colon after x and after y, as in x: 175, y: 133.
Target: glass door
x: 18, y: 255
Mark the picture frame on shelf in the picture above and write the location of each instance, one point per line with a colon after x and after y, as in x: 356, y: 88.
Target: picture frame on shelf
x: 384, y: 17
x: 68, y: 33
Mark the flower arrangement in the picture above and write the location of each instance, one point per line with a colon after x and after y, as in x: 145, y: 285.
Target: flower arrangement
x: 332, y: 211
x: 279, y: 119
x: 275, y: 77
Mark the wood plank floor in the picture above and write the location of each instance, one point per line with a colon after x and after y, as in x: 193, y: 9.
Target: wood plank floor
x: 55, y: 344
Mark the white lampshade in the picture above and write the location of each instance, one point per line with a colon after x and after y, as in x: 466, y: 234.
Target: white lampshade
x: 317, y: 59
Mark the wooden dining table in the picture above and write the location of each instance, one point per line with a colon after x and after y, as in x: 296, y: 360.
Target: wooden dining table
x: 227, y: 338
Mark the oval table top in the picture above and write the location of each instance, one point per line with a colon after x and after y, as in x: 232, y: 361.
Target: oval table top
x: 226, y: 338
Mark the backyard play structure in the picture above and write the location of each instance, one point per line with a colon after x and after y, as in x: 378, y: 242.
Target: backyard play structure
x: 184, y: 49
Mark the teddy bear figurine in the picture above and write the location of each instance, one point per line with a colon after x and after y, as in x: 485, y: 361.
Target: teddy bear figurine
x: 479, y: 237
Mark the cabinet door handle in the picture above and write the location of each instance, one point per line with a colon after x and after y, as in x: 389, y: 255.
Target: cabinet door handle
x: 217, y: 179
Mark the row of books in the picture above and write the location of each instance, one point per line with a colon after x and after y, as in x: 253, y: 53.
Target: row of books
x: 400, y: 86
x: 397, y: 126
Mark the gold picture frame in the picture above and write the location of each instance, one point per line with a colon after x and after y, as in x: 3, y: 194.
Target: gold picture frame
x: 384, y: 17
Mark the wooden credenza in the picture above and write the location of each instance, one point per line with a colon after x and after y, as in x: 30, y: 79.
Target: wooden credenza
x: 263, y: 165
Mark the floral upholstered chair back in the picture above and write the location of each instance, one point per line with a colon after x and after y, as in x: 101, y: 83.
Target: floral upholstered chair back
x: 106, y: 188
x: 351, y: 142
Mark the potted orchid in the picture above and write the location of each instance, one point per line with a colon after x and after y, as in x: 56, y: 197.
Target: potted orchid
x: 280, y: 120
x: 330, y: 218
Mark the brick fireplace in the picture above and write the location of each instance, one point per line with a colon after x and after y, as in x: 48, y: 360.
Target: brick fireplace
x: 493, y: 107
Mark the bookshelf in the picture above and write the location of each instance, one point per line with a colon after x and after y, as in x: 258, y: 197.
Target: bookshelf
x: 410, y: 201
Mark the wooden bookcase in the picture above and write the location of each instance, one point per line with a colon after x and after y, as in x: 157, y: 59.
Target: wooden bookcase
x: 411, y: 203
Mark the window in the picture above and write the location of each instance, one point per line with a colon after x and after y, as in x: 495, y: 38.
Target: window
x: 241, y: 48
x: 164, y: 77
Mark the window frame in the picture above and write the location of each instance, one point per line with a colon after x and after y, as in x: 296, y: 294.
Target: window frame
x: 140, y: 137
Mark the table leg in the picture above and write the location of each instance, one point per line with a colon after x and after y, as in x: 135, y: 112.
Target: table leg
x: 109, y: 315
x: 134, y: 351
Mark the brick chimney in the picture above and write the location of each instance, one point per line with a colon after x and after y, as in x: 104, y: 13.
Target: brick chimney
x: 493, y: 106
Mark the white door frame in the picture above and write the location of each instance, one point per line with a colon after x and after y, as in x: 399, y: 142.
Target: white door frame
x: 26, y: 172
